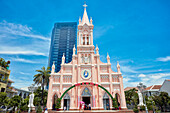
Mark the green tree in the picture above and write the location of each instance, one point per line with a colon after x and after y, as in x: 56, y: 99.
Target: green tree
x: 135, y: 109
x: 37, y: 96
x: 4, y: 64
x: 3, y: 96
x: 42, y: 78
x: 16, y: 100
x: 162, y: 100
x: 132, y: 97
x: 24, y: 104
x: 4, y: 100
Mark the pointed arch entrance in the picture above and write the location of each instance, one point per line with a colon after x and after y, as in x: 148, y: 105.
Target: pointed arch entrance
x: 66, y: 101
x: 86, y: 97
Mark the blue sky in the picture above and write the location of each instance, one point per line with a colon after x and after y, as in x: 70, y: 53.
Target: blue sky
x: 134, y: 32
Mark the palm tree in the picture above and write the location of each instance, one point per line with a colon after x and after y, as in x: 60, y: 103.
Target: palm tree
x: 42, y: 78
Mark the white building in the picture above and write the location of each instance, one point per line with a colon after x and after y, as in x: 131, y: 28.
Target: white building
x: 152, y: 90
x: 165, y: 87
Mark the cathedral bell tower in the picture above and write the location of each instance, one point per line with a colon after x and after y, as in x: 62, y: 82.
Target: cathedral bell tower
x: 85, y: 47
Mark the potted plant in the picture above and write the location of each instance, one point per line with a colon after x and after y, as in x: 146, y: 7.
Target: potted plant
x: 58, y: 104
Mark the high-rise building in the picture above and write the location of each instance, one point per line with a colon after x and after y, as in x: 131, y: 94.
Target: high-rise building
x: 63, y: 40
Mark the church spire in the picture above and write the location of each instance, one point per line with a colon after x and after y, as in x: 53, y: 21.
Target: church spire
x: 85, y: 18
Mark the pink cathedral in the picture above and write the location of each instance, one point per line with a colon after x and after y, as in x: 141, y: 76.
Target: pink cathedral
x: 86, y: 67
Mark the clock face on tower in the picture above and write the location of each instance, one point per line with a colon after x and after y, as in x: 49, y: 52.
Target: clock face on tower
x: 85, y: 74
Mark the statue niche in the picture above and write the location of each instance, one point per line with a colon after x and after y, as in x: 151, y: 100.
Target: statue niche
x: 86, y: 59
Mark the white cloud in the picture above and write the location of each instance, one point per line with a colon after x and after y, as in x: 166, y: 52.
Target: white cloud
x: 154, y: 79
x: 142, y: 75
x: 126, y: 61
x: 130, y: 84
x: 159, y: 75
x: 23, y: 73
x: 23, y: 81
x: 101, y: 30
x: 18, y: 39
x: 127, y: 69
x: 146, y: 79
x: 20, y: 30
x: 23, y: 60
x: 160, y: 70
x: 164, y: 59
x: 22, y: 53
x: 126, y: 79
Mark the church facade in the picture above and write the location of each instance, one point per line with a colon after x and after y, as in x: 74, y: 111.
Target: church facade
x: 86, y: 67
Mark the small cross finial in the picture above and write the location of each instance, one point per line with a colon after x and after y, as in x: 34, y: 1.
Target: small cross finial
x: 84, y: 5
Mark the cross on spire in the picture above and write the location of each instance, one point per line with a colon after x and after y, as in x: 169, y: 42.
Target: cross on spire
x: 84, y: 5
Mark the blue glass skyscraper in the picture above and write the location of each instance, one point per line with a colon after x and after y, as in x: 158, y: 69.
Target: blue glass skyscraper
x: 63, y: 40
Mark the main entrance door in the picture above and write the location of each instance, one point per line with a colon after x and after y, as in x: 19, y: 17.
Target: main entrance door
x: 86, y: 98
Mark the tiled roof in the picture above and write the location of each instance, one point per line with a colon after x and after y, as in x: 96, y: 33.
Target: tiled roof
x: 157, y: 87
x: 128, y: 88
x: 148, y: 88
x: 153, y: 87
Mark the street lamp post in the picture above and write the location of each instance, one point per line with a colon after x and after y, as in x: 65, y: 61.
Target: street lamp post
x: 141, y: 87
